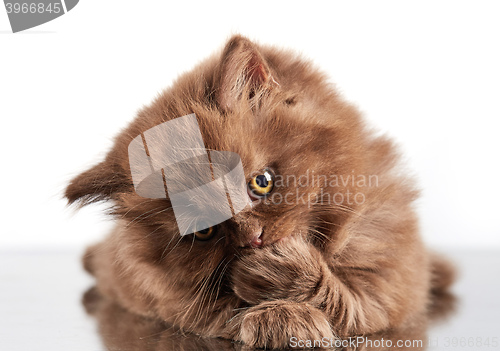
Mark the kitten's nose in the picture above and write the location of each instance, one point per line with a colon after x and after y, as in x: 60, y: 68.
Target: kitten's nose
x: 255, y: 241
x: 249, y: 231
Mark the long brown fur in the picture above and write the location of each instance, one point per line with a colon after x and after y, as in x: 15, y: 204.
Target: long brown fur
x: 325, y: 269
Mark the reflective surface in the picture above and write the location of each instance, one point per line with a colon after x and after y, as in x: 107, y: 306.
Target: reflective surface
x: 41, y: 308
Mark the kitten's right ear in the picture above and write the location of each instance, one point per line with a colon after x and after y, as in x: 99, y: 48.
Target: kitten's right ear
x: 243, y: 69
x: 99, y: 183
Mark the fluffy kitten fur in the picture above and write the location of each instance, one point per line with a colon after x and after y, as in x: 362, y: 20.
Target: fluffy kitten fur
x: 324, y: 269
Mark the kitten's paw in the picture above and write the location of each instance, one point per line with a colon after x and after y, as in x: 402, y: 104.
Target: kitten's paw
x: 281, y: 324
x: 291, y: 270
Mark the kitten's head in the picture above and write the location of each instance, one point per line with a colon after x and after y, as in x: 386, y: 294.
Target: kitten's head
x: 284, y: 121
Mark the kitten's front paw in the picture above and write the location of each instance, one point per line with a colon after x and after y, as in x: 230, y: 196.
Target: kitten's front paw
x: 281, y: 324
x: 291, y: 270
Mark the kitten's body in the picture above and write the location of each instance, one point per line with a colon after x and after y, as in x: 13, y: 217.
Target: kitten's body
x: 324, y: 268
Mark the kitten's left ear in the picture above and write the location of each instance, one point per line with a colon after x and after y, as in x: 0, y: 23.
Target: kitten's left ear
x: 244, y: 73
x: 100, y: 183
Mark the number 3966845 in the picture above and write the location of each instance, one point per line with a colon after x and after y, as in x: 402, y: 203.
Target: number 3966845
x: 33, y: 7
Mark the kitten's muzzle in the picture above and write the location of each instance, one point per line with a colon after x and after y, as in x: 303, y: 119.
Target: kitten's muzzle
x: 256, y: 240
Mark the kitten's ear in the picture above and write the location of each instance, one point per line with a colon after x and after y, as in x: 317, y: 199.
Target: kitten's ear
x: 99, y: 183
x: 243, y: 72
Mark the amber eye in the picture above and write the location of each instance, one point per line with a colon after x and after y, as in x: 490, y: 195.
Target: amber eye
x: 205, y: 234
x: 261, y: 184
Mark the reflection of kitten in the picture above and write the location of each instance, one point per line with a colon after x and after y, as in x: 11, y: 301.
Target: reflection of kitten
x: 342, y: 258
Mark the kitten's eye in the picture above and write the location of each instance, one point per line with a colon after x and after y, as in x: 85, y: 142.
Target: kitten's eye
x: 205, y: 234
x: 261, y: 184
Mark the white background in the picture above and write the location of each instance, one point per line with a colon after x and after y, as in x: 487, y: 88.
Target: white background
x: 426, y: 72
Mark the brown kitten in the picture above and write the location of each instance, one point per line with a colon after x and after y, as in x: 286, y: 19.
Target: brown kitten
x: 319, y: 264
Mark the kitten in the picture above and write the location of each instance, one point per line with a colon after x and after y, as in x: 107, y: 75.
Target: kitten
x: 328, y: 245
